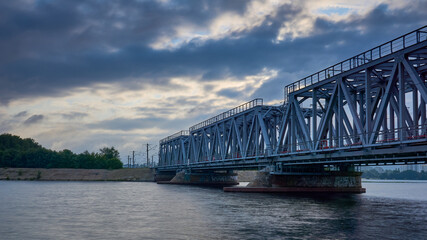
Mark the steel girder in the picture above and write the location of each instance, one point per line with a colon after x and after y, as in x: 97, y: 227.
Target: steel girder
x: 367, y: 109
x: 173, y: 149
x: 249, y: 133
x: 364, y: 107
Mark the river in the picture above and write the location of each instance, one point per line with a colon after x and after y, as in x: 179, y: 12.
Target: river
x: 138, y: 210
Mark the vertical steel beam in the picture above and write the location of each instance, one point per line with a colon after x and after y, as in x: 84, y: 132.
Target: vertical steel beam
x: 401, y: 102
x: 392, y: 127
x: 362, y: 111
x: 193, y: 144
x: 423, y: 115
x: 368, y: 102
x: 338, y: 115
x: 293, y: 132
x: 245, y: 136
x: 414, y: 111
x: 314, y: 116
x: 256, y: 135
x: 423, y: 111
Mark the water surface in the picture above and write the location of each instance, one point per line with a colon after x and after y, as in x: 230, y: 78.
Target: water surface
x: 137, y: 210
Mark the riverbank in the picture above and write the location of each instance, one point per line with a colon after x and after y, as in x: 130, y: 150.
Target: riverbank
x: 71, y: 174
x: 67, y: 174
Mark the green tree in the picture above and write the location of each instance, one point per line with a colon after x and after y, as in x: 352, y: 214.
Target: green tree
x: 109, y: 153
x: 18, y: 152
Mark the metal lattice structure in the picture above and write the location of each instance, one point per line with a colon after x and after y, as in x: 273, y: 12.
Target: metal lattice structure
x: 368, y: 109
x: 247, y: 131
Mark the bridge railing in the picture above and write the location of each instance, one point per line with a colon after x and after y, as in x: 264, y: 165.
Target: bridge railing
x: 351, y: 141
x: 383, y: 50
x: 229, y: 113
x: 175, y: 135
x: 411, y: 133
x: 414, y: 133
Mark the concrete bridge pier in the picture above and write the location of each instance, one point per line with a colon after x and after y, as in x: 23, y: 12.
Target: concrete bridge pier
x: 208, y: 178
x: 342, y: 179
x: 162, y: 176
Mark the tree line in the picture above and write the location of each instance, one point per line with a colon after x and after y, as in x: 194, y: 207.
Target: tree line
x: 16, y: 152
x: 395, y: 174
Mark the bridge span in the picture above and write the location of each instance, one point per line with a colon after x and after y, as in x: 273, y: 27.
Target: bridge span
x: 369, y: 109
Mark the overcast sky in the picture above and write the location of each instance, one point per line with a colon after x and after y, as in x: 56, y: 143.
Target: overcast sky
x: 82, y: 75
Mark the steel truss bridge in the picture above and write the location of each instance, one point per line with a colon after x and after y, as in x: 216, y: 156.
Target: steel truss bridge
x: 366, y: 110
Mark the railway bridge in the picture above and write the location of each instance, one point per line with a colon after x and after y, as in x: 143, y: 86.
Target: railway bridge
x: 369, y: 109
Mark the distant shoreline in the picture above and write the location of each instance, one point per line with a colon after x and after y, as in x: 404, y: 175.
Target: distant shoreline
x: 70, y: 174
x: 373, y: 180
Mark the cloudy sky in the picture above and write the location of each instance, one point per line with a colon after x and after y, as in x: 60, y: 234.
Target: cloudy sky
x: 81, y: 75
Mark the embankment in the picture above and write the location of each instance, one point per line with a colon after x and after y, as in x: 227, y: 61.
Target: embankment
x: 66, y: 174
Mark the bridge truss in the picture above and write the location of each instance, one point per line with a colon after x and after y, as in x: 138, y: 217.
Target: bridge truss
x: 368, y: 109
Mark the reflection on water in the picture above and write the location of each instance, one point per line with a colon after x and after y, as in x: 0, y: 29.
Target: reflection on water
x: 127, y: 210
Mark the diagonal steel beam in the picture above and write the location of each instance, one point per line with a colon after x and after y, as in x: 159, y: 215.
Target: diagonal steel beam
x: 283, y: 126
x: 353, y: 110
x: 221, y: 144
x: 326, y: 116
x: 302, y: 125
x: 230, y: 133
x: 265, y: 134
x: 250, y: 135
x: 213, y: 143
x: 239, y: 141
x: 419, y: 84
x: 384, y: 101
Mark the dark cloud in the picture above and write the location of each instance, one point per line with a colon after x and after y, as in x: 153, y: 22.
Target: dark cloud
x: 51, y: 47
x: 127, y: 124
x: 168, y: 124
x: 74, y: 115
x: 155, y: 110
x: 333, y: 42
x: 229, y: 93
x: 34, y: 119
x: 21, y: 114
x: 124, y: 124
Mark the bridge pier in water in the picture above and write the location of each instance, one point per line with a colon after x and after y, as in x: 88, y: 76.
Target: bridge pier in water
x: 207, y: 178
x: 305, y: 180
x: 164, y: 176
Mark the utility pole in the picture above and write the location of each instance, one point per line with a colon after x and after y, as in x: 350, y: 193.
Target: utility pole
x: 148, y: 156
x: 133, y: 159
x: 128, y: 161
x: 152, y: 160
